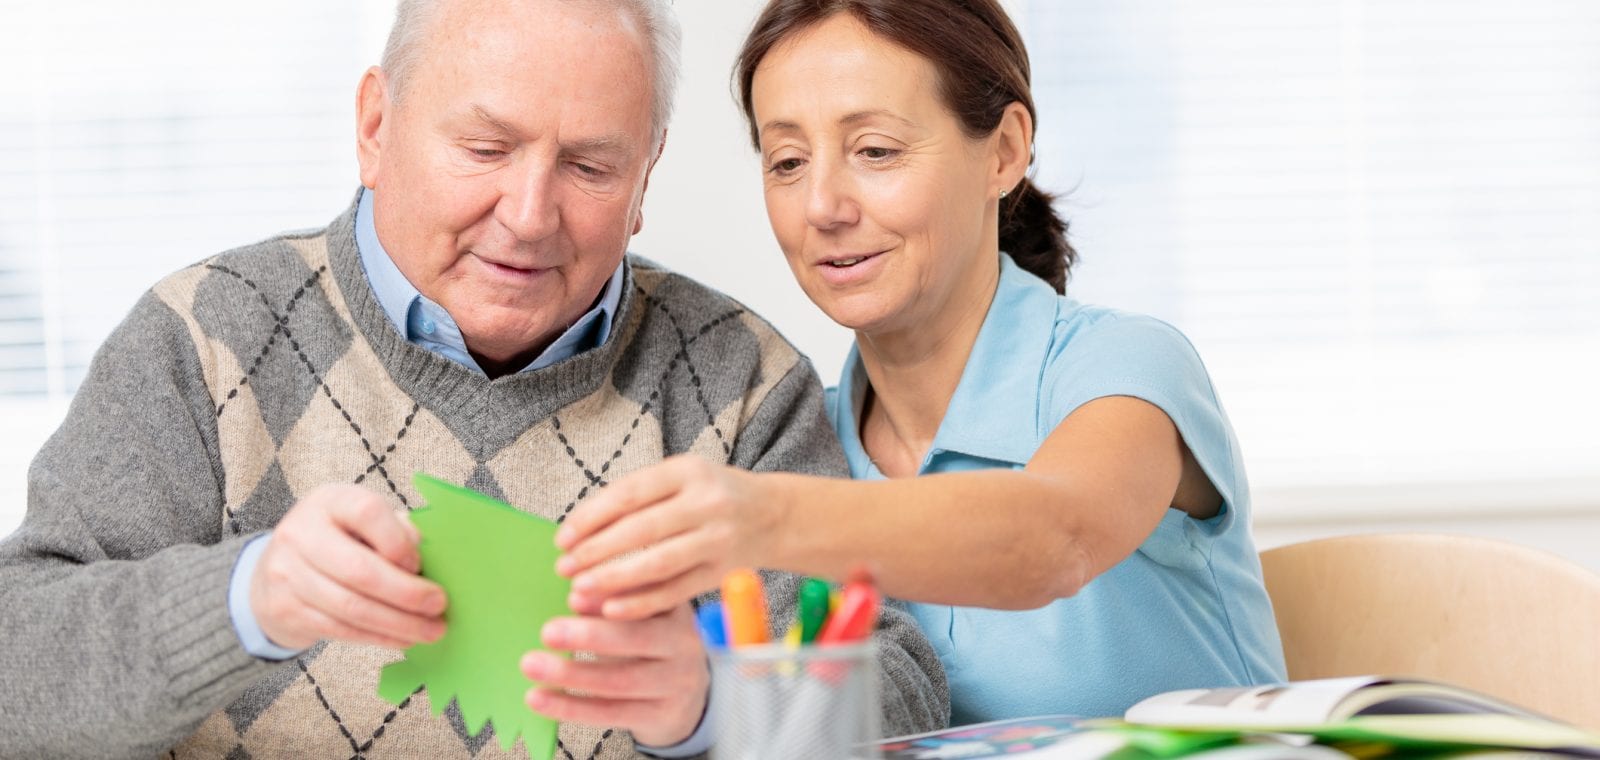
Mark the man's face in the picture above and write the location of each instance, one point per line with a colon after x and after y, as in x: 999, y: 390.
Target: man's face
x: 510, y: 171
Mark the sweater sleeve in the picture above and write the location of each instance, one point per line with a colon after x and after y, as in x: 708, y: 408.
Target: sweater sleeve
x: 790, y: 432
x: 118, y: 640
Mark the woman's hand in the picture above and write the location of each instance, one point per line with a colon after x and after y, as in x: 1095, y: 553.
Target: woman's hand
x: 659, y: 537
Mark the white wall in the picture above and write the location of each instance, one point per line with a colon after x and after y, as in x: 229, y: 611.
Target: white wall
x: 703, y: 212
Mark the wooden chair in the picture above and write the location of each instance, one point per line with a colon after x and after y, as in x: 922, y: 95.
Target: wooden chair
x: 1503, y: 619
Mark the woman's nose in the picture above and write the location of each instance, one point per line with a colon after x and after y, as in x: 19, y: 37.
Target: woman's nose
x: 831, y: 199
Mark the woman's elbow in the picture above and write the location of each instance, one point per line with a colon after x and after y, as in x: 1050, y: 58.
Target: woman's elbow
x: 1051, y: 576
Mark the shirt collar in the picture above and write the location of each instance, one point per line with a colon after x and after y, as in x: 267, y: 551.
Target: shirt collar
x: 994, y: 413
x: 427, y: 324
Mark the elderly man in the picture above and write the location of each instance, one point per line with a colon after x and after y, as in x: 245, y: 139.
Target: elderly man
x: 212, y: 564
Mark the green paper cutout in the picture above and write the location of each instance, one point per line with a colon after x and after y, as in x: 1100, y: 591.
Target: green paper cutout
x: 497, y: 567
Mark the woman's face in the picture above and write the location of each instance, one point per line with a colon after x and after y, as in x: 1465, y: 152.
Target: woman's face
x: 883, y: 207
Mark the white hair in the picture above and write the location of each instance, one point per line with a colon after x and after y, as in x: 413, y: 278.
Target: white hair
x: 655, y: 18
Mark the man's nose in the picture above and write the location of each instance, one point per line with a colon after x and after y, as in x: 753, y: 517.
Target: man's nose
x: 528, y: 206
x: 831, y: 198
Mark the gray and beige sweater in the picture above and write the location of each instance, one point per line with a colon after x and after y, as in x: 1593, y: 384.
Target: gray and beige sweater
x: 238, y: 384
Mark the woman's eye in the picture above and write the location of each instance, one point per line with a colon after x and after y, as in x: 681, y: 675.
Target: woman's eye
x: 876, y: 154
x: 787, y: 165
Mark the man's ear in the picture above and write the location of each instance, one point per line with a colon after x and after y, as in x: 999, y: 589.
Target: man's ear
x: 638, y: 217
x: 372, y: 111
x: 1013, y: 148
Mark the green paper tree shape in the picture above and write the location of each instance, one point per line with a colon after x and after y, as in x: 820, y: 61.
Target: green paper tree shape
x: 497, y: 567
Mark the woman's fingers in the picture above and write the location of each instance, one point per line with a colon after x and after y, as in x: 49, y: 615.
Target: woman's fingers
x: 658, y: 578
x: 623, y: 497
x: 663, y: 596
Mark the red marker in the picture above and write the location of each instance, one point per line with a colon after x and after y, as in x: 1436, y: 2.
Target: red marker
x: 856, y: 615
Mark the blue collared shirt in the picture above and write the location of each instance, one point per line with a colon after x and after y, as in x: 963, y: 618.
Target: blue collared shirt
x: 1187, y: 609
x: 427, y: 324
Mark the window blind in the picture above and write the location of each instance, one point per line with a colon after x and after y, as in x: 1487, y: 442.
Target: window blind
x: 1378, y: 221
x: 138, y: 138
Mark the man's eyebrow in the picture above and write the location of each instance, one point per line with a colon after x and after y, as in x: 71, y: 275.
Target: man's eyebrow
x: 484, y: 116
x: 612, y: 145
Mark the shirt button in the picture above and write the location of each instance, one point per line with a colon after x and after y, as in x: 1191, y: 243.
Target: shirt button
x: 426, y: 326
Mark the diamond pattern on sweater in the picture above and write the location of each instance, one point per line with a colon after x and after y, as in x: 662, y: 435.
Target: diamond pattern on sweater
x: 687, y: 360
x: 267, y: 504
x: 587, y: 436
x: 474, y: 744
x: 278, y: 359
x: 483, y: 481
x: 239, y: 420
x: 261, y: 694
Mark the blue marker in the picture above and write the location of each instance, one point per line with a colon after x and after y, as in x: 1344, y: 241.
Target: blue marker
x: 712, y: 629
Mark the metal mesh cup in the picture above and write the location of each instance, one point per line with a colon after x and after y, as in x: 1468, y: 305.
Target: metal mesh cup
x: 775, y: 703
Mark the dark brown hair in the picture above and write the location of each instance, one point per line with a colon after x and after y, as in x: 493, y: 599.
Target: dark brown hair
x: 983, y: 67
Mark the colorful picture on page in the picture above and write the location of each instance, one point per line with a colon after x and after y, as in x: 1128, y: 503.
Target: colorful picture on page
x: 1006, y: 738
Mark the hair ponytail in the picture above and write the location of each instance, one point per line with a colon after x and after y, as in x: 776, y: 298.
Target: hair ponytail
x: 1035, y: 236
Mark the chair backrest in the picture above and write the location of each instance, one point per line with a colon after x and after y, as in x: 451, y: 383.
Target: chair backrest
x: 1503, y: 619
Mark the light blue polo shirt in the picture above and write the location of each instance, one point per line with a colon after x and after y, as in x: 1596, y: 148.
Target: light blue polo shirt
x: 1187, y: 609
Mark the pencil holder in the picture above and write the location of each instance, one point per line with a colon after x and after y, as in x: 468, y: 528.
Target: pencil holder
x: 775, y: 703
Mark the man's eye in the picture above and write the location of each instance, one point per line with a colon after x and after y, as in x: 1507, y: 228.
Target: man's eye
x: 487, y: 153
x: 588, y: 170
x: 787, y: 165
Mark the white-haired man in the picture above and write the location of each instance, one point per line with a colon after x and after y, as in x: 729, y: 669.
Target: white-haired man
x: 211, y: 564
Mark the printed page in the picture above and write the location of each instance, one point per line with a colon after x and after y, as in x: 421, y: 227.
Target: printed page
x: 1299, y: 704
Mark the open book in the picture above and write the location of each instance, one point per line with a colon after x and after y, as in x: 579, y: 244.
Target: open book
x: 1367, y: 716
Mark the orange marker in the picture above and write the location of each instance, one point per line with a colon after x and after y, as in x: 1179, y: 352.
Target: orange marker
x: 745, y: 607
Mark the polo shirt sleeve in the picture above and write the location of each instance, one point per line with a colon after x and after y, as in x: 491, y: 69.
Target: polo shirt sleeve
x: 1116, y: 353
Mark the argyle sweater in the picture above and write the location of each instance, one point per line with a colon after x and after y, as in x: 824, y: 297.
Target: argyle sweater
x: 240, y: 383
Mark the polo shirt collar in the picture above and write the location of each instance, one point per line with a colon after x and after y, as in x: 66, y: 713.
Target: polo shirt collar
x: 994, y: 412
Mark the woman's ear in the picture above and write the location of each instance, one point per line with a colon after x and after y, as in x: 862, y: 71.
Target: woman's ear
x: 372, y: 109
x: 1013, y: 148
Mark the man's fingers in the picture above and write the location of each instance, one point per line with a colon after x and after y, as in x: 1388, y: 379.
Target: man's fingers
x: 355, y: 566
x: 365, y: 516
x: 570, y: 708
x: 325, y: 627
x: 621, y: 498
x: 648, y: 639
x: 605, y: 679
x: 348, y: 607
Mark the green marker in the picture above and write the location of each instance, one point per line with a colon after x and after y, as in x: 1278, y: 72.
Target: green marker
x: 813, y: 608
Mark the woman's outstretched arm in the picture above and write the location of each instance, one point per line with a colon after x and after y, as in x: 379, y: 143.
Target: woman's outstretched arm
x: 1009, y: 539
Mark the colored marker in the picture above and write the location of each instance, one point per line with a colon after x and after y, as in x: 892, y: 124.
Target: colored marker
x: 712, y: 628
x: 791, y: 638
x: 858, y: 611
x: 814, y: 603
x: 744, y: 608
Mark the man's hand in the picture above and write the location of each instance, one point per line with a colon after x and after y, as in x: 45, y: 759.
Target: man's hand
x: 661, y: 536
x: 343, y: 565
x: 650, y: 676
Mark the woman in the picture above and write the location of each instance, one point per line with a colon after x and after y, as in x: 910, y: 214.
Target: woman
x: 1052, y: 486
